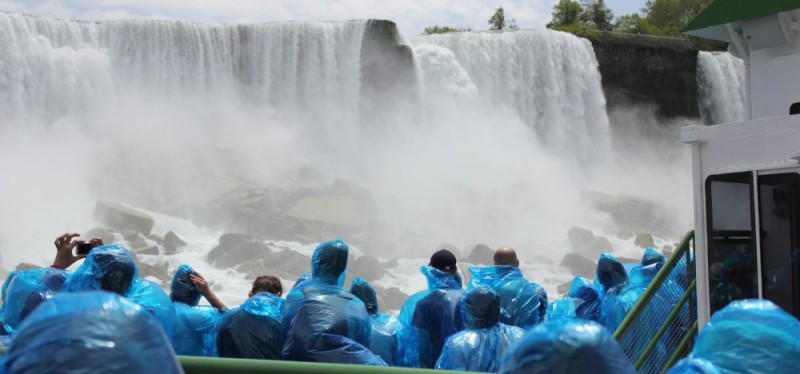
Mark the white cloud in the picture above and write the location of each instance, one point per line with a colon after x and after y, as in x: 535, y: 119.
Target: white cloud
x: 412, y: 16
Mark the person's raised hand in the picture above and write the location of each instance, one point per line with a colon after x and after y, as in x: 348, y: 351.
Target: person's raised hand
x: 64, y: 246
x: 199, y: 282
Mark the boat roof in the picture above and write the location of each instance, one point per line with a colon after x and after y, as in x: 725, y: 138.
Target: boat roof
x: 710, y: 22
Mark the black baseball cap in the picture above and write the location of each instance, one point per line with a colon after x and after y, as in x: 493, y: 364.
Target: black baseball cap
x: 443, y: 260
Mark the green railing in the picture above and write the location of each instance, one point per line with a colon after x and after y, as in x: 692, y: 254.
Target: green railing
x: 637, y: 335
x: 214, y: 365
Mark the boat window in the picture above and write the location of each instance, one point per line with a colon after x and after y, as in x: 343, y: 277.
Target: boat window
x: 779, y: 217
x: 731, y: 248
x: 794, y: 109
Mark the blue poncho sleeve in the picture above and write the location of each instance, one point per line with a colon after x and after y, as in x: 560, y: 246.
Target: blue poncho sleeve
x: 96, y: 332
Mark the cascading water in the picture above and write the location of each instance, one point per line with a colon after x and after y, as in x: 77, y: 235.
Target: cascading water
x: 550, y: 79
x: 721, y: 83
x: 490, y: 139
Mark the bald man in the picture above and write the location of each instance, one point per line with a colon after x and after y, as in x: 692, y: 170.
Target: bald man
x: 506, y: 256
x: 522, y: 303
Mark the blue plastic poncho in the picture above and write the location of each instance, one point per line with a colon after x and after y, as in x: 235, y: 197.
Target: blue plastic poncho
x: 691, y: 365
x: 182, y: 289
x: 432, y: 315
x: 565, y: 347
x: 651, y: 256
x: 112, y: 268
x: 252, y: 330
x: 523, y: 303
x: 153, y: 298
x: 610, y: 273
x: 323, y: 322
x: 750, y: 336
x: 302, y: 278
x: 90, y: 332
x: 389, y: 339
x: 582, y: 301
x: 194, y: 327
x: 6, y: 282
x: 109, y: 267
x: 485, y: 340
x: 26, y: 291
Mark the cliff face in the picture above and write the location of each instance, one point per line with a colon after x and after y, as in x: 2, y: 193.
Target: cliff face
x: 648, y: 70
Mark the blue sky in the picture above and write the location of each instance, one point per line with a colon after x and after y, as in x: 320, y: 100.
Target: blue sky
x: 411, y: 15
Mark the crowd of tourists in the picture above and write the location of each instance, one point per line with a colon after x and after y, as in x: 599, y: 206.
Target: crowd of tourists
x: 102, y: 317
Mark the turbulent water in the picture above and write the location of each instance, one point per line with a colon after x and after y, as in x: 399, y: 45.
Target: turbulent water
x: 489, y: 138
x: 721, y: 81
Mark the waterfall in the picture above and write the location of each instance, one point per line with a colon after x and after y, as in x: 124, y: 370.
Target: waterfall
x: 53, y: 69
x: 550, y: 79
x: 472, y: 137
x: 721, y: 85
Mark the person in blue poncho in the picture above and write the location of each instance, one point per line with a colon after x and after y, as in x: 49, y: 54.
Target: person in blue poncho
x: 322, y: 321
x: 747, y: 336
x: 254, y: 329
x: 27, y: 290
x: 90, y: 332
x: 582, y: 301
x: 566, y: 347
x: 485, y: 339
x: 7, y: 282
x: 523, y: 303
x: 433, y: 313
x: 389, y: 339
x: 618, y: 297
x: 112, y: 268
x: 194, y: 328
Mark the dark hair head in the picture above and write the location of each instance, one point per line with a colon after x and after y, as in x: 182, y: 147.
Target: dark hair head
x: 267, y: 283
x: 480, y: 308
x: 443, y: 260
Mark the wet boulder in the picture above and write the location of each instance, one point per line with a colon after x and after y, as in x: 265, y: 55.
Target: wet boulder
x: 235, y: 249
x: 367, y: 267
x: 121, y: 217
x: 579, y: 265
x: 481, y: 254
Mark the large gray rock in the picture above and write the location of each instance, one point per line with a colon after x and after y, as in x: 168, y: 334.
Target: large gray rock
x: 634, y: 213
x: 393, y: 298
x: 159, y: 270
x: 481, y: 254
x: 579, y: 265
x: 286, y: 264
x: 121, y: 217
x: 367, y: 267
x: 586, y: 243
x: 172, y: 242
x: 235, y: 249
x: 104, y: 234
x: 644, y: 240
x: 342, y: 204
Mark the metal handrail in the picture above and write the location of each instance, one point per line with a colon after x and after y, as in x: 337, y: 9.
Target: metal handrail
x: 655, y: 284
x: 681, y: 347
x: 214, y: 365
x: 672, y: 316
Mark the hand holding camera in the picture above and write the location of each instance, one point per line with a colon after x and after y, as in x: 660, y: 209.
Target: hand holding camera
x: 64, y: 246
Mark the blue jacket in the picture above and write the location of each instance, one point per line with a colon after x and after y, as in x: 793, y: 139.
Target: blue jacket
x: 90, y: 332
x: 523, y: 303
x: 566, y: 347
x: 322, y: 321
x: 252, y: 330
x: 195, y: 325
x: 432, y: 315
x: 485, y: 339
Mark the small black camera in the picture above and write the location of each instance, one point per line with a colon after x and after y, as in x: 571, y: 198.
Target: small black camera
x: 84, y: 248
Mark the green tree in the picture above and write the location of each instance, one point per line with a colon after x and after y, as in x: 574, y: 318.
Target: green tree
x: 632, y: 24
x: 498, y: 20
x: 596, y: 15
x: 436, y: 29
x: 566, y: 16
x: 668, y: 17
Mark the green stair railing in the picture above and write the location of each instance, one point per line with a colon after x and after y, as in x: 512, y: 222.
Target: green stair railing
x: 214, y: 365
x: 655, y: 341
